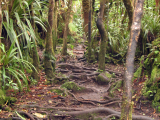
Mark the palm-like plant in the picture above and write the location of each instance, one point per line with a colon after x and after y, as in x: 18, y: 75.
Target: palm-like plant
x: 13, y: 68
x: 17, y: 22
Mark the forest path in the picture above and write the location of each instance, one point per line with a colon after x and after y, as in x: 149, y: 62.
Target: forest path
x: 52, y: 102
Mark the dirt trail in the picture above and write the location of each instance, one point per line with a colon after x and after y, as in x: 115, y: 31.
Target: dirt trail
x: 93, y: 103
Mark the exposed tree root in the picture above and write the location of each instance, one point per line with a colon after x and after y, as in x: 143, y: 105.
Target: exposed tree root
x: 112, y: 103
x: 82, y: 101
x: 102, y: 110
x: 82, y: 60
x: 77, y: 71
x: 68, y: 66
x: 93, y: 102
x: 60, y: 104
x: 107, y: 97
x: 88, y: 80
x: 109, y: 85
x: 116, y: 73
x: 26, y: 114
x: 91, y: 69
x: 81, y: 111
x: 109, y: 116
x: 81, y: 76
x: 54, y: 108
x: 12, y: 118
x: 93, y: 73
x: 62, y: 70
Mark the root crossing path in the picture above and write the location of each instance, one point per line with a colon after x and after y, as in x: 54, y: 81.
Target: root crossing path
x: 76, y: 94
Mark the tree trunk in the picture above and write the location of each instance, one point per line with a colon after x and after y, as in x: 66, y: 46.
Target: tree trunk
x: 67, y: 17
x: 35, y: 55
x: 158, y: 5
x: 89, y: 33
x: 129, y: 9
x: 55, y: 25
x: 87, y: 8
x: 85, y: 5
x: 0, y: 38
x: 127, y: 104
x: 103, y: 34
x: 49, y: 63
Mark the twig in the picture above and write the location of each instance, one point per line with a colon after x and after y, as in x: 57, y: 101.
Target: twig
x: 82, y: 101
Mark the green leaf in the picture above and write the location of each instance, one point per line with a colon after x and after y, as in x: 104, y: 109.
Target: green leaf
x: 20, y: 116
x: 155, y: 59
x: 156, y: 52
x: 14, y: 73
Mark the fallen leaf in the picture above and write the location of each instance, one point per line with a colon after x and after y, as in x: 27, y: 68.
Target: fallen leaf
x: 39, y: 115
x: 54, y: 96
x: 50, y: 101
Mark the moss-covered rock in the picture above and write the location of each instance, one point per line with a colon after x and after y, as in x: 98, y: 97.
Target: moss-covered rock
x: 72, y: 86
x: 59, y: 92
x: 103, y: 78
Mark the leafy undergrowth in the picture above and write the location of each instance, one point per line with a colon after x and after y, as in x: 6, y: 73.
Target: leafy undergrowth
x: 77, y: 95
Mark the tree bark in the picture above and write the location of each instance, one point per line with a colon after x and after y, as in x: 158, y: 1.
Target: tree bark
x: 127, y: 104
x: 64, y: 49
x: 158, y: 5
x: 129, y: 9
x: 35, y: 55
x: 0, y: 37
x: 89, y: 33
x: 103, y: 34
x: 55, y: 25
x: 49, y: 63
x: 87, y: 15
x: 85, y: 5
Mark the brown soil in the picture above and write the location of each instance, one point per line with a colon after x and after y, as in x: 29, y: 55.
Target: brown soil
x: 42, y: 103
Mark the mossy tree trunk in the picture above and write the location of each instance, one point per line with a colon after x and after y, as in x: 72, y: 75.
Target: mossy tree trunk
x: 0, y: 39
x: 49, y: 63
x: 129, y: 9
x: 126, y: 110
x: 89, y: 33
x: 55, y: 25
x: 34, y: 50
x: 103, y: 34
x: 67, y: 17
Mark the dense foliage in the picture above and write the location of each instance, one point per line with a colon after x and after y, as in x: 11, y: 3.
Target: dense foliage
x: 19, y: 38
